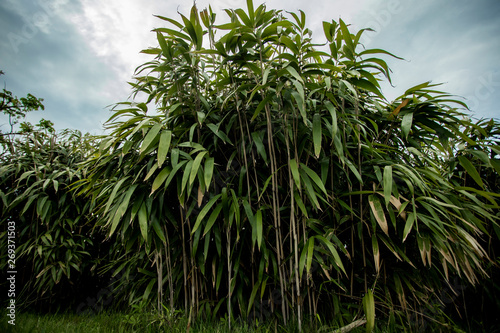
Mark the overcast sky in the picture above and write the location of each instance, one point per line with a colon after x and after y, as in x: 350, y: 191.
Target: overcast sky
x: 79, y: 55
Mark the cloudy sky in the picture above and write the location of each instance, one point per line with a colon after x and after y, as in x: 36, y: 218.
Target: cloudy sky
x: 79, y: 54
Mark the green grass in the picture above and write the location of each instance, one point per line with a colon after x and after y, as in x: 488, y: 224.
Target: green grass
x: 143, y: 322
x: 149, y: 322
x: 109, y: 322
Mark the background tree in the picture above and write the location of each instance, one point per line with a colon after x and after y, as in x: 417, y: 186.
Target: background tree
x: 15, y: 109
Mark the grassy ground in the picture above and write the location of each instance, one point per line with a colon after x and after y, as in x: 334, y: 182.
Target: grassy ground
x: 109, y: 322
x: 148, y: 322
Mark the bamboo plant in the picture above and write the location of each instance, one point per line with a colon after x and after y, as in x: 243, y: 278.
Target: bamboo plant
x: 267, y: 177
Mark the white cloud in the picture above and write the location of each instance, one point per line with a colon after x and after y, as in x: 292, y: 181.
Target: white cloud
x: 117, y: 31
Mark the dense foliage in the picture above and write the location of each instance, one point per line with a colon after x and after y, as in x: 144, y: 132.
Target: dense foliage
x: 52, y: 238
x: 268, y: 178
x: 265, y: 153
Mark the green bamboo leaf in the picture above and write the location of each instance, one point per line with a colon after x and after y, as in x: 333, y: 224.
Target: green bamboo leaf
x: 160, y: 179
x: 333, y: 251
x: 4, y: 200
x: 309, y: 189
x: 215, y: 129
x: 295, y: 172
x: 300, y: 203
x: 195, y: 21
x: 125, y: 204
x: 306, y: 256
x: 126, y: 147
x: 255, y: 289
x: 327, y: 30
x: 310, y: 253
x: 29, y: 202
x: 410, y: 220
x: 113, y: 194
x: 186, y: 175
x: 251, y: 11
x: 45, y: 208
x: 25, y: 175
x: 337, y: 142
x: 209, y: 171
x: 387, y: 184
x: 243, y: 16
x: 300, y: 103
x: 261, y: 106
x: 369, y: 308
x: 350, y: 87
x: 265, y: 76
x: 481, y: 155
x: 159, y: 231
x: 471, y: 170
x: 377, y: 51
x: 142, y: 215
x: 151, y: 172
x: 496, y: 165
x: 135, y: 207
x: 45, y: 183
x: 293, y: 72
x: 257, y: 140
x: 174, y: 171
x: 204, y: 212
x: 196, y: 166
x: 162, y: 42
x: 333, y: 114
x: 150, y: 137
x: 376, y: 253
x: 317, y: 134
x: 346, y: 35
x: 164, y: 146
x: 145, y: 296
x: 264, y: 188
x: 367, y: 85
x: 213, y: 217
x: 353, y: 169
x: 406, y: 124
x: 378, y: 212
x: 173, y: 33
x: 285, y: 40
x: 251, y: 219
x: 315, y: 178
x: 153, y: 51
x: 196, y: 241
x: 273, y: 29
x: 258, y: 221
x: 174, y: 22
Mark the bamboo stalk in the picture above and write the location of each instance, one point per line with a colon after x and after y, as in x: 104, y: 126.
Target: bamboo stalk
x: 351, y: 326
x: 228, y: 233
x: 294, y: 233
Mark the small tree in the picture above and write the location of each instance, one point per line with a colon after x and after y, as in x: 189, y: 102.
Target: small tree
x: 273, y: 176
x: 16, y: 109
